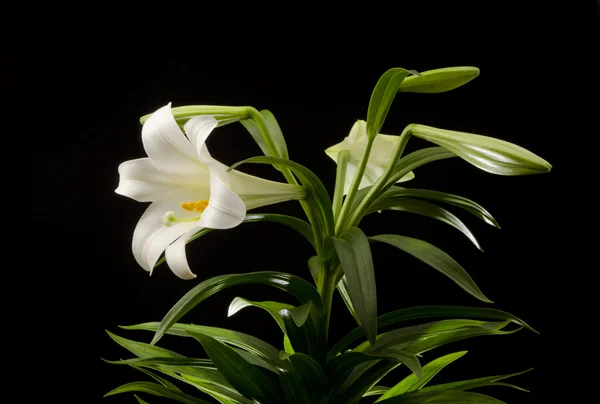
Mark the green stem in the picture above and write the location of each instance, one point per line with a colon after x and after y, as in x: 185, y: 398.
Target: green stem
x: 189, y: 111
x: 340, y: 224
x: 340, y: 183
x: 326, y: 285
x: 382, y: 180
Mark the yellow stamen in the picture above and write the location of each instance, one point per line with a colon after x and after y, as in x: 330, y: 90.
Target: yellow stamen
x: 195, y: 206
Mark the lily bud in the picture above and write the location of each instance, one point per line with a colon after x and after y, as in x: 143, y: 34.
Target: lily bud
x: 439, y: 80
x: 489, y: 154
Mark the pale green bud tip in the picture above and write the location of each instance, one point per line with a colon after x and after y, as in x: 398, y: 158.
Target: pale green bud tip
x: 439, y: 80
x: 168, y: 218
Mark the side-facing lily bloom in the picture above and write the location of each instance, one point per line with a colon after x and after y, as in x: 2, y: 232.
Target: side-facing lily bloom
x: 381, y: 154
x: 189, y: 190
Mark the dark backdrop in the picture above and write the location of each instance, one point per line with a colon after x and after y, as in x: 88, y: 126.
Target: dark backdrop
x: 83, y: 278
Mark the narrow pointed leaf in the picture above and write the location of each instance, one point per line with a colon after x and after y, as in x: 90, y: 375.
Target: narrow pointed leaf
x: 316, y: 188
x: 419, y: 312
x: 178, y: 361
x: 298, y: 287
x: 475, y: 383
x: 426, y: 209
x: 416, y: 159
x: 158, y: 378
x: 272, y: 308
x: 376, y: 391
x: 458, y: 201
x: 157, y: 390
x: 253, y: 130
x: 342, y: 287
x: 293, y: 389
x: 486, y: 153
x: 442, y: 397
x: 242, y: 375
x: 413, y: 383
x: 355, y: 256
x: 275, y: 133
x: 407, y: 337
x: 435, y: 258
x: 382, y: 97
x: 139, y: 400
x: 439, y: 80
x: 253, y: 345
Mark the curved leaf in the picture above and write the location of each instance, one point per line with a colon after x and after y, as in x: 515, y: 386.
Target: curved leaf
x: 158, y: 378
x: 157, y: 390
x: 437, y: 259
x: 439, y: 80
x: 275, y: 133
x: 382, y: 97
x: 412, y: 338
x: 242, y: 375
x: 293, y: 388
x: 413, y: 313
x: 307, y: 178
x: 413, y: 383
x: 139, y: 400
x: 272, y: 308
x: 342, y: 287
x: 445, y: 397
x: 298, y: 287
x: 486, y: 153
x: 416, y: 159
x: 178, y: 361
x: 476, y: 383
x: 376, y: 391
x: 458, y: 201
x: 353, y: 373
x: 426, y: 209
x: 251, y: 344
x: 355, y: 256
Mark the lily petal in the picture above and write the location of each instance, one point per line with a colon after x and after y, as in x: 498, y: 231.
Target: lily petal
x: 225, y: 208
x: 170, y: 151
x: 140, y: 180
x: 176, y: 256
x: 151, y: 237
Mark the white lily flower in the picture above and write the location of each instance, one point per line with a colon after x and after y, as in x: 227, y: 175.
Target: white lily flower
x: 381, y: 154
x: 189, y: 190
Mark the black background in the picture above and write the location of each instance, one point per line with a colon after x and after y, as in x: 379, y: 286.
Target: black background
x: 83, y: 278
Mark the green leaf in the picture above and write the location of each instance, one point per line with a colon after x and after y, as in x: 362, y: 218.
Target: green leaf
x: 459, y: 201
x: 312, y: 376
x: 139, y: 400
x: 158, y: 378
x: 382, y: 97
x: 314, y: 267
x: 298, y: 287
x: 294, y: 390
x: 445, y: 397
x: 376, y: 391
x: 439, y: 80
x: 352, y: 374
x: 411, y: 338
x: 413, y: 383
x: 416, y: 159
x: 143, y: 350
x: 435, y: 258
x: 316, y: 188
x: 342, y: 287
x: 486, y: 153
x: 272, y: 308
x: 308, y: 338
x: 238, y: 339
x: 419, y: 312
x: 170, y: 361
x: 157, y: 390
x: 426, y: 209
x: 275, y: 133
x: 476, y: 383
x: 252, y: 128
x: 242, y: 375
x: 355, y: 256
